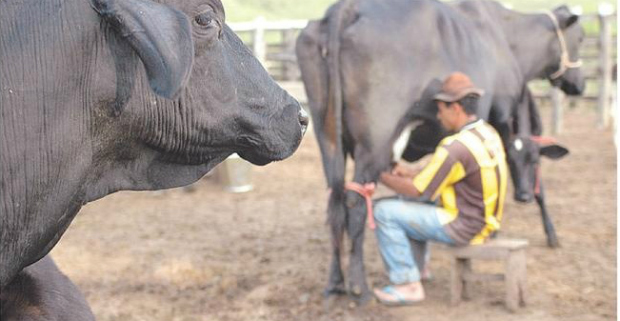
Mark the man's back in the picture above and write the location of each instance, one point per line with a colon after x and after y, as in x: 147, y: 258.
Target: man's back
x: 469, y: 173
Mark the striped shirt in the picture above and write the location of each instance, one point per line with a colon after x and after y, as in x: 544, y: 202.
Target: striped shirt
x: 468, y: 172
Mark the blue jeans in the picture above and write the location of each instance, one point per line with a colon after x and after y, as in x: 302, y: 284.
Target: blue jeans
x: 400, y: 221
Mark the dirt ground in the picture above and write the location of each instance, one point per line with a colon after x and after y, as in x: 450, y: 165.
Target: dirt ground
x: 263, y: 255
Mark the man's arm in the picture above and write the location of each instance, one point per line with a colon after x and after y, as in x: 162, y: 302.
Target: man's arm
x: 400, y: 184
x: 429, y: 182
x: 404, y: 170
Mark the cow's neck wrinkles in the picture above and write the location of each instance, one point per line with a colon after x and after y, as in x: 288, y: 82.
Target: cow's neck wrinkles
x: 161, y: 136
x: 171, y: 127
x: 181, y: 129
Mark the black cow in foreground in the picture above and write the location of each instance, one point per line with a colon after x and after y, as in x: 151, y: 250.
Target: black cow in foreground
x: 40, y: 292
x: 371, y: 68
x: 106, y: 95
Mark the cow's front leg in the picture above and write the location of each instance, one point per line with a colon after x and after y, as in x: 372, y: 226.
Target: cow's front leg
x: 552, y: 239
x: 356, y: 222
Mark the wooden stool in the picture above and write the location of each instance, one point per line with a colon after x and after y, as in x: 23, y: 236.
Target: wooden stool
x: 512, y: 251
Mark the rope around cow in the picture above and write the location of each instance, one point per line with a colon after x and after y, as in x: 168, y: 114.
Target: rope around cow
x: 565, y: 62
x: 366, y: 191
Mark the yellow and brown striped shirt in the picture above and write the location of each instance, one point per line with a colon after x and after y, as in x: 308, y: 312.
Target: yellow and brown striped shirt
x: 469, y: 172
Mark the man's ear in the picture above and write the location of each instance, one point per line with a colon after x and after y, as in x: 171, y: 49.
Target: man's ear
x: 553, y: 151
x: 458, y: 107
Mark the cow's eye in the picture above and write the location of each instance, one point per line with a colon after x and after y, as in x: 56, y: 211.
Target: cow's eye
x: 204, y: 20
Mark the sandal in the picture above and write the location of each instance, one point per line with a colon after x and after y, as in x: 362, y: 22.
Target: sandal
x: 399, y: 298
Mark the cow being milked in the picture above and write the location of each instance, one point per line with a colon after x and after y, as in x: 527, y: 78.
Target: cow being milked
x: 371, y: 68
x: 107, y: 95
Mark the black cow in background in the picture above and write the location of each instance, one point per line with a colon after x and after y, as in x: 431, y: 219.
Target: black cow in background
x: 371, y: 67
x: 106, y: 95
x: 40, y: 292
x: 564, y: 74
x: 553, y: 56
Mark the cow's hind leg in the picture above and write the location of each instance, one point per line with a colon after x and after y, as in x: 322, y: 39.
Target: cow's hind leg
x: 333, y: 293
x: 337, y: 217
x: 335, y: 283
x: 356, y: 221
x: 365, y: 172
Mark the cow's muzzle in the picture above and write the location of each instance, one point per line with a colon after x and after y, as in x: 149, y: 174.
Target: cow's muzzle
x: 276, y: 139
x: 303, y: 121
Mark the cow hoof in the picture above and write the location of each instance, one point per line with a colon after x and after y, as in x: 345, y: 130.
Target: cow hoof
x: 553, y: 243
x: 356, y: 290
x: 334, y: 290
x: 362, y: 299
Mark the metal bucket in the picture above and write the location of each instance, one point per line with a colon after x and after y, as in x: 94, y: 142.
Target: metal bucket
x: 235, y: 174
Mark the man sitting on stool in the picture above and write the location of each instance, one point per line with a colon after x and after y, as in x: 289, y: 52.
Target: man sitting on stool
x: 468, y: 173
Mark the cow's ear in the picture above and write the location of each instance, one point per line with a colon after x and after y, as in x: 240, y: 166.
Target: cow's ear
x: 159, y: 34
x: 565, y: 17
x: 553, y: 151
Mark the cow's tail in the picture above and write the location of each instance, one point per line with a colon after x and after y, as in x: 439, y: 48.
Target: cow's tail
x: 337, y: 166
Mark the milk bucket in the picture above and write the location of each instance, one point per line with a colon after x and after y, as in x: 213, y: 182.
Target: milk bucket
x: 235, y: 174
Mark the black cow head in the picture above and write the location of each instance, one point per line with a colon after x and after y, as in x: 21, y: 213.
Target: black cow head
x: 524, y: 160
x: 219, y: 99
x: 239, y: 104
x: 564, y: 70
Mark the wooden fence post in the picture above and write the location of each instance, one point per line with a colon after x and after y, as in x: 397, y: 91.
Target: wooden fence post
x: 289, y: 68
x: 557, y: 117
x: 259, y: 47
x: 285, y: 58
x: 605, y: 87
